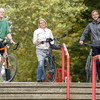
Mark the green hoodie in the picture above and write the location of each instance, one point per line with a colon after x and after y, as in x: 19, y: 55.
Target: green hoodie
x: 4, y: 29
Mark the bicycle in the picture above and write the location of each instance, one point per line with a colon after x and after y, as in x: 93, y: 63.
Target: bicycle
x: 8, y: 64
x: 88, y: 66
x: 49, y: 64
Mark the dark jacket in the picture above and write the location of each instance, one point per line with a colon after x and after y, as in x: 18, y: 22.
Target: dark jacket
x: 94, y: 29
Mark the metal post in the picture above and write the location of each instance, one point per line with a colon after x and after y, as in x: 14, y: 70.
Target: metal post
x: 64, y: 49
x: 94, y: 77
x: 63, y: 63
x: 68, y: 77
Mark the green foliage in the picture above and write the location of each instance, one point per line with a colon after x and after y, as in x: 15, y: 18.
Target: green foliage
x: 62, y: 16
x: 92, y: 4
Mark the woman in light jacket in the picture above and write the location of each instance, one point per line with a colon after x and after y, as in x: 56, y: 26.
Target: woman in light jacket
x: 41, y: 34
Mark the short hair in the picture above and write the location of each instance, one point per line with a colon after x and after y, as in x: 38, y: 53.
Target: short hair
x: 1, y: 9
x: 94, y: 11
x: 41, y: 19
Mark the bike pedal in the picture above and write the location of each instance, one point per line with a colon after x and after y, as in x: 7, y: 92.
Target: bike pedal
x: 45, y: 66
x: 51, y: 71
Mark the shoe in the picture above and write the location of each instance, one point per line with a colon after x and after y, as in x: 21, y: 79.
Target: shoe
x: 38, y: 81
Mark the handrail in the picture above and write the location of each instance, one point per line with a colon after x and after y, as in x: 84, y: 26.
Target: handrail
x: 64, y: 50
x: 94, y: 77
x: 63, y: 63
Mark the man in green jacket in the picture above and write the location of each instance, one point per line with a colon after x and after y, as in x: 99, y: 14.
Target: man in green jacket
x: 4, y: 31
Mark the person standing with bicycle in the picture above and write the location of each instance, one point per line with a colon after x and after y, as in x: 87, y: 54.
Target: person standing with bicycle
x: 94, y: 29
x: 41, y: 34
x: 4, y: 30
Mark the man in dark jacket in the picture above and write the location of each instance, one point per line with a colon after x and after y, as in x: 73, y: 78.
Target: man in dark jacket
x: 94, y: 29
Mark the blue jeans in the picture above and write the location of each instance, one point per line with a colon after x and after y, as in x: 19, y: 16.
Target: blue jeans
x: 40, y: 74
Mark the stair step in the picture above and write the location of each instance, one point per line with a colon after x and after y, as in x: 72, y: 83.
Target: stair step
x: 46, y: 91
x: 33, y: 90
x: 32, y: 84
x: 33, y: 96
x: 83, y: 90
x: 83, y: 97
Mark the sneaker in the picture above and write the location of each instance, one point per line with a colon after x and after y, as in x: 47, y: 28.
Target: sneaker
x: 38, y: 81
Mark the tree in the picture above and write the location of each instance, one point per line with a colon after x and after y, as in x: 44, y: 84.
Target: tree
x: 62, y: 16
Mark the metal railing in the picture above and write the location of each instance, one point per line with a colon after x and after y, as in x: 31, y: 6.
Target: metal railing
x: 94, y: 77
x: 65, y: 51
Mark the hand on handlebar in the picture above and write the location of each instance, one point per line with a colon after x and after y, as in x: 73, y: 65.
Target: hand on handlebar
x: 39, y: 41
x: 81, y: 42
x: 12, y: 42
x: 47, y: 40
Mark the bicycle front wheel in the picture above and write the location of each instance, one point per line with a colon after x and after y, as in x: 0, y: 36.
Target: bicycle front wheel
x: 49, y: 68
x: 88, y: 69
x: 8, y: 68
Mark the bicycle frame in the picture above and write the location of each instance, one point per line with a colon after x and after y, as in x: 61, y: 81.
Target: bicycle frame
x: 50, y: 47
x: 50, y: 53
x: 4, y: 55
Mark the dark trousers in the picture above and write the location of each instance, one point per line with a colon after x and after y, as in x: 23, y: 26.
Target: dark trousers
x: 96, y: 51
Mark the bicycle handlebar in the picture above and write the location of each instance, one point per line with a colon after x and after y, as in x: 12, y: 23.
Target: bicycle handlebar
x: 92, y: 45
x: 60, y: 37
x: 17, y: 44
x: 49, y: 39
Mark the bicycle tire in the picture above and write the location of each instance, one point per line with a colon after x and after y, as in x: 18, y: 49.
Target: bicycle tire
x: 48, y: 70
x: 88, y: 69
x: 8, y: 68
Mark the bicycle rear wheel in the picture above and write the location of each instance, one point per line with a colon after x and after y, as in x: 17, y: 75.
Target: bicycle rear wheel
x: 8, y: 68
x: 49, y: 68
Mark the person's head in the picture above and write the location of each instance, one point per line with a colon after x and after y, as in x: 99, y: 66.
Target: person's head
x: 42, y: 23
x: 2, y: 12
x: 95, y: 15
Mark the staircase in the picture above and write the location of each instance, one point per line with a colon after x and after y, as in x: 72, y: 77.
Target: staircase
x: 46, y: 91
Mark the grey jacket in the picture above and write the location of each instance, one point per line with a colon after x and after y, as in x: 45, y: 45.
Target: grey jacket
x: 94, y: 29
